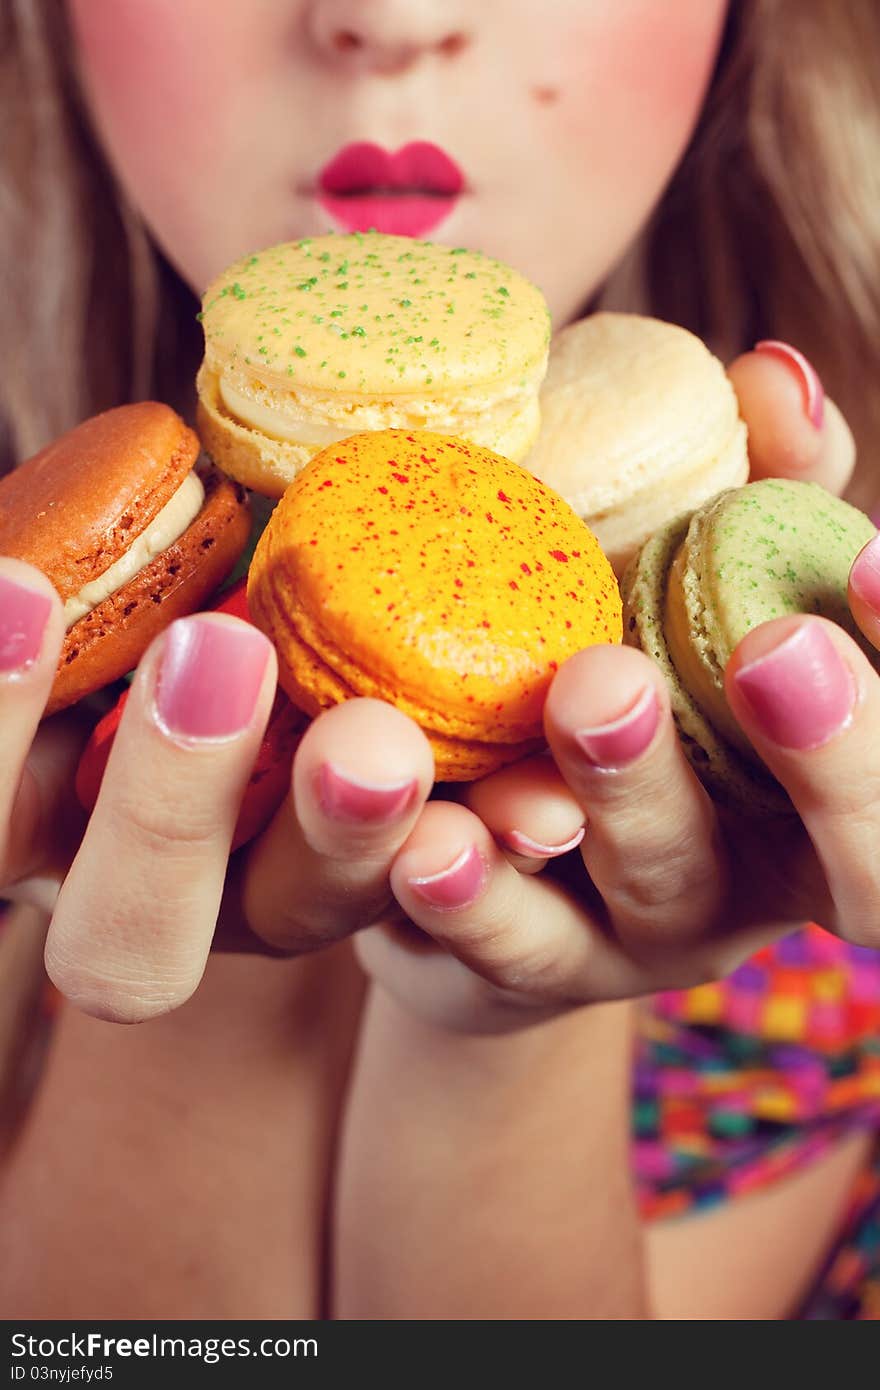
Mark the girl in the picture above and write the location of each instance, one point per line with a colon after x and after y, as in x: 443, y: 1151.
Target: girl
x: 450, y: 1099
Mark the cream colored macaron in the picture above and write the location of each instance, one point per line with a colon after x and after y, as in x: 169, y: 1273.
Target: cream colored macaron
x: 639, y: 423
x: 312, y: 341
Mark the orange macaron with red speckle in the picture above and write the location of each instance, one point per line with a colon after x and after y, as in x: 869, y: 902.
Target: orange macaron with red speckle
x: 429, y: 572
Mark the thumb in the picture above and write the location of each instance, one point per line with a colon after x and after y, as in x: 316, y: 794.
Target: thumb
x: 795, y: 430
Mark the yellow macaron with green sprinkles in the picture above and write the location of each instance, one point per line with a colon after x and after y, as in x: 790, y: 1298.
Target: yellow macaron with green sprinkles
x: 311, y: 341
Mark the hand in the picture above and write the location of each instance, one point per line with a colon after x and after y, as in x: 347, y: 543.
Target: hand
x: 669, y: 891
x: 134, y: 896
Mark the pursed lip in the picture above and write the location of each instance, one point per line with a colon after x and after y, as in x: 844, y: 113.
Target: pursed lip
x: 407, y: 191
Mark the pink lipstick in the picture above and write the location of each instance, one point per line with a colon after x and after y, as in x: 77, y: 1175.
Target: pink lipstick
x: 407, y: 192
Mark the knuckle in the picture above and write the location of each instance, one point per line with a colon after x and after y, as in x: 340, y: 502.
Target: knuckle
x: 660, y: 885
x: 156, y: 825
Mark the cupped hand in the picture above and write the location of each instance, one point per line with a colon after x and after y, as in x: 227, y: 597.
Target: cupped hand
x: 515, y: 921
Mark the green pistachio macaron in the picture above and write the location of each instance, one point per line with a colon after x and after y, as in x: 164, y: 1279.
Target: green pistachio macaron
x: 701, y: 583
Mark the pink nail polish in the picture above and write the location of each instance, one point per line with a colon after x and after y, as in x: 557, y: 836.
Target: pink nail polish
x: 522, y: 844
x: 814, y: 393
x: 865, y: 574
x: 209, y: 678
x: 344, y: 797
x: 24, y: 614
x: 621, y: 741
x: 801, y: 693
x: 454, y: 887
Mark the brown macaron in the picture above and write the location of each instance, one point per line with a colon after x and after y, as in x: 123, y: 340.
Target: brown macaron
x: 132, y: 536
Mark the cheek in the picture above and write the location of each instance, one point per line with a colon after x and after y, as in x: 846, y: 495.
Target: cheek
x: 635, y: 79
x: 145, y: 63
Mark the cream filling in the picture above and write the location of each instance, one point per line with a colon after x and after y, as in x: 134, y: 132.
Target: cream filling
x: 167, y: 526
x: 292, y: 426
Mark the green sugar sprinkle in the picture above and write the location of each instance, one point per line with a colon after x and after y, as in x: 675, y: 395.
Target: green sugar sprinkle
x: 199, y: 316
x: 324, y: 256
x: 470, y: 275
x: 340, y: 374
x: 502, y: 289
x: 406, y: 303
x: 359, y: 332
x: 237, y: 290
x: 343, y: 285
x: 300, y: 351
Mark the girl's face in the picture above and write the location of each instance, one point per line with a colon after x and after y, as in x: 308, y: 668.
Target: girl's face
x: 542, y: 133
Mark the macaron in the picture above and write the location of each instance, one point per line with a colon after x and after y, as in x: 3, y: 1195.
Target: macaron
x: 639, y: 423
x: 132, y: 536
x: 431, y: 573
x: 314, y: 340
x: 703, y: 581
x: 269, y: 781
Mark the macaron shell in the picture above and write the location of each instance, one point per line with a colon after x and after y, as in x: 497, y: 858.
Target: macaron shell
x: 110, y: 640
x: 74, y: 507
x: 771, y: 548
x: 639, y: 423
x: 431, y: 573
x: 732, y: 779
x: 369, y: 312
x: 775, y: 547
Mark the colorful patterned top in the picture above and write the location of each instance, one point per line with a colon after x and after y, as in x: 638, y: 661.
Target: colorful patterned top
x: 738, y: 1083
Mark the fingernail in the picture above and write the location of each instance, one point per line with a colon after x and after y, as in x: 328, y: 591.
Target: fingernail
x: 344, y: 797
x: 814, y: 394
x: 620, y: 741
x: 865, y: 574
x: 209, y: 679
x: 24, y: 614
x: 801, y: 693
x: 519, y: 843
x: 456, y: 886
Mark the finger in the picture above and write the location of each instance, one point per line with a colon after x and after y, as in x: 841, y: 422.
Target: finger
x: 531, y: 811
x: 809, y: 701
x: 795, y: 430
x: 31, y: 634
x: 652, y: 845
x: 864, y: 591
x: 454, y: 883
x: 135, y: 916
x: 320, y: 871
x: 529, y: 946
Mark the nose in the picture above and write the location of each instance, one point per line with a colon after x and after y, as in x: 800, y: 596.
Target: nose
x: 386, y: 36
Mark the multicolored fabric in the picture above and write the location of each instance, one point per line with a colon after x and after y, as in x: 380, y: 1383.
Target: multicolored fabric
x: 740, y: 1082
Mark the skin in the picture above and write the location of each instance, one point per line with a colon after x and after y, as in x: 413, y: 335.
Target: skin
x: 459, y: 999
